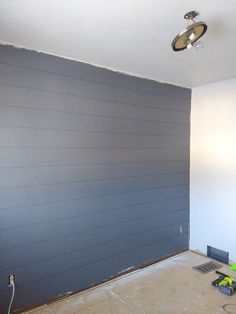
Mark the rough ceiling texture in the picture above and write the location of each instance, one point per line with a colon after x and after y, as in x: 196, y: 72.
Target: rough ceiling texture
x: 132, y: 36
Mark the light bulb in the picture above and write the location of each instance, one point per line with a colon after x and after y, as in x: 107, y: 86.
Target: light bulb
x: 192, y: 36
x: 198, y: 45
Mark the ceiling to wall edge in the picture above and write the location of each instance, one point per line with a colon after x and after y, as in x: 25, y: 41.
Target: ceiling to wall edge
x: 91, y: 64
x: 107, y: 68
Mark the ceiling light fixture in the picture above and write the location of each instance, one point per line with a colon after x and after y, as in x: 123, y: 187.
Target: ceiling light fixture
x: 190, y: 34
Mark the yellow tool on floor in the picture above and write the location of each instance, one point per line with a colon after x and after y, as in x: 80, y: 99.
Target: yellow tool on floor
x: 225, y: 283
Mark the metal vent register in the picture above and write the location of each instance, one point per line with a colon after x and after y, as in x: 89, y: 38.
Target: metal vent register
x: 207, y: 267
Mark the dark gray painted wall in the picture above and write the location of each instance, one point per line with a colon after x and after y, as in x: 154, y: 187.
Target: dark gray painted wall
x: 94, y: 173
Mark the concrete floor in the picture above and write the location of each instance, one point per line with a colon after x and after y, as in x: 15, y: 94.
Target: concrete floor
x: 168, y: 287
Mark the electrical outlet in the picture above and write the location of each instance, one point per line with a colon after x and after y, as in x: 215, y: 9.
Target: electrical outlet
x: 11, y: 279
x: 180, y: 229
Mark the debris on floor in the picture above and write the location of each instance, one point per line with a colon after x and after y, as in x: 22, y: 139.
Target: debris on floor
x: 168, y: 287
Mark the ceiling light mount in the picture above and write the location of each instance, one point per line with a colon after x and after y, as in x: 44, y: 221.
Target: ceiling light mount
x: 191, y: 15
x: 190, y: 34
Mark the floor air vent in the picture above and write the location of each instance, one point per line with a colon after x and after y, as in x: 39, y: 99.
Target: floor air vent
x: 207, y: 267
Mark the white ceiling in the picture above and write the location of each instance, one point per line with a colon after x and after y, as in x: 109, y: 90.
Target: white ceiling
x: 132, y: 36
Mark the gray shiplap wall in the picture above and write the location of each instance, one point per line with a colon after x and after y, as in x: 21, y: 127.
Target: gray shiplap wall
x: 94, y: 173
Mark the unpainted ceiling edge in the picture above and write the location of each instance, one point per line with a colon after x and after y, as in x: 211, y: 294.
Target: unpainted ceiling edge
x: 16, y: 46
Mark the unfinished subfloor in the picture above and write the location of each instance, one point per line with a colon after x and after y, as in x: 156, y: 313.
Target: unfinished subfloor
x: 168, y: 287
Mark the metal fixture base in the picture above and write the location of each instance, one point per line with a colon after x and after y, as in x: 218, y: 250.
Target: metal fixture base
x: 191, y: 15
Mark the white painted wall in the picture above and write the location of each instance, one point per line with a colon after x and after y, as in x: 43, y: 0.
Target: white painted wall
x: 213, y: 167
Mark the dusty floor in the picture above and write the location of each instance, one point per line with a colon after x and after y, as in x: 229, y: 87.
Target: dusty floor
x: 169, y: 287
